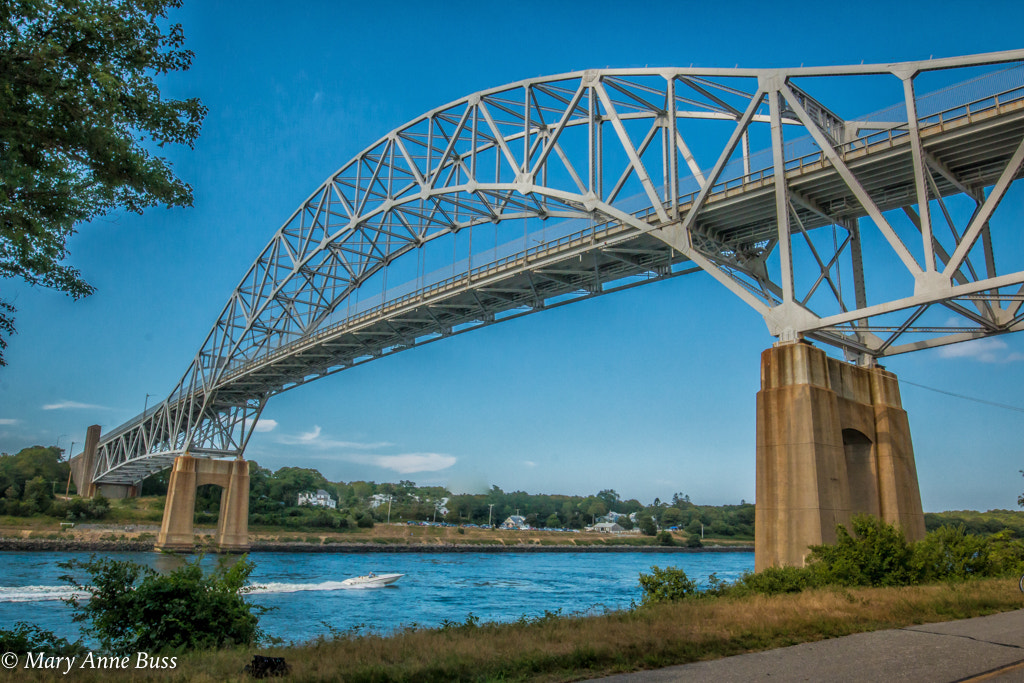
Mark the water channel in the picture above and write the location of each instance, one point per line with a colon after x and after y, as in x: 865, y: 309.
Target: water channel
x: 308, y: 600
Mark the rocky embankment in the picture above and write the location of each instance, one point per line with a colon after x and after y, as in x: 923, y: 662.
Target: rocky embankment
x: 74, y: 544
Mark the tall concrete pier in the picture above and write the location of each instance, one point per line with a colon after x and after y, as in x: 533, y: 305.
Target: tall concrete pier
x: 833, y: 441
x: 176, y: 531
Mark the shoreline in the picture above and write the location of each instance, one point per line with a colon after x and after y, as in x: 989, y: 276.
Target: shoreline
x: 126, y: 545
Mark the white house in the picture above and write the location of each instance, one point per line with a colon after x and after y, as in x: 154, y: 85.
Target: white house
x: 321, y: 498
x: 378, y: 499
x: 515, y: 522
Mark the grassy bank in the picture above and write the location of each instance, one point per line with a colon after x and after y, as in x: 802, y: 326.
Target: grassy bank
x: 556, y: 648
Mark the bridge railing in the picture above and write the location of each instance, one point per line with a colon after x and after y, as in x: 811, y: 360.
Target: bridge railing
x: 876, y: 141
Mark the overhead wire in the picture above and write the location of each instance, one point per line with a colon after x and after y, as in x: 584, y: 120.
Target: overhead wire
x: 966, y: 398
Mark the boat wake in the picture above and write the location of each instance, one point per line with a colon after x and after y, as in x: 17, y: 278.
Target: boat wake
x: 37, y: 593
x: 55, y: 593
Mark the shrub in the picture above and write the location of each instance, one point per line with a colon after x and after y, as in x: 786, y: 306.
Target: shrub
x: 775, y: 580
x: 1005, y: 554
x: 81, y: 508
x: 25, y: 637
x: 951, y: 553
x: 876, y: 554
x: 132, y: 608
x: 666, y: 585
x: 665, y: 538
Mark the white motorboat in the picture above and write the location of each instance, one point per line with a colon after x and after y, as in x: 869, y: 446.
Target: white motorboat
x: 371, y: 579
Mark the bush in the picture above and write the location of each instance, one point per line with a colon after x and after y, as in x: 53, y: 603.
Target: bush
x: 665, y: 538
x: 25, y: 638
x: 951, y: 553
x: 666, y: 585
x: 1005, y: 554
x: 877, y: 554
x: 81, y: 508
x: 776, y: 580
x: 132, y: 608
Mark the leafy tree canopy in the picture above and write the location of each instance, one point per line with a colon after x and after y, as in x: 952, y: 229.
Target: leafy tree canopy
x: 28, y: 463
x: 79, y: 113
x: 133, y: 608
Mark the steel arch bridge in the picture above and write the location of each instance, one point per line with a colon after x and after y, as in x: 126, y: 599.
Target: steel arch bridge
x: 871, y: 233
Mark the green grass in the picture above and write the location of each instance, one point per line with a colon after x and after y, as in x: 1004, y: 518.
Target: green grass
x: 566, y: 648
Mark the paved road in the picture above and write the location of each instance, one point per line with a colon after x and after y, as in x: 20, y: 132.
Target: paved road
x: 981, y: 649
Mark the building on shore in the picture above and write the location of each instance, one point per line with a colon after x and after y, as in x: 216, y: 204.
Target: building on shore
x: 321, y: 498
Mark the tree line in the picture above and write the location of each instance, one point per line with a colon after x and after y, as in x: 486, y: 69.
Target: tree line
x: 33, y: 480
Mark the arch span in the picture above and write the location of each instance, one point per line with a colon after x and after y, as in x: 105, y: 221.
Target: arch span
x: 527, y: 196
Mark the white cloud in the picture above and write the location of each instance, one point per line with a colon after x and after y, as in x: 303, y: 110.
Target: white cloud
x: 310, y: 437
x: 529, y: 463
x: 72, y: 405
x: 313, y: 439
x: 263, y: 426
x: 8, y: 421
x: 403, y: 463
x: 988, y: 350
x: 407, y: 463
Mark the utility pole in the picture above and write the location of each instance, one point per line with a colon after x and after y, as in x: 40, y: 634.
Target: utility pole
x: 67, y: 491
x: 490, y: 508
x: 389, y: 508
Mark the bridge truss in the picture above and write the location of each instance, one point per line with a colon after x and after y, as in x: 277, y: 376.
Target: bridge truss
x: 874, y: 234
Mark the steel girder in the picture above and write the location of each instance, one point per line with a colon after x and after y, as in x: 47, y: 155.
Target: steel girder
x: 601, y: 166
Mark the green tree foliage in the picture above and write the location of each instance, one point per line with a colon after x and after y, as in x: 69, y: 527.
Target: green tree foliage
x: 28, y: 480
x: 950, y: 553
x: 665, y: 538
x: 31, y: 462
x: 980, y: 523
x: 875, y: 554
x: 666, y: 585
x: 23, y: 638
x: 133, y: 608
x: 645, y: 521
x: 80, y: 112
x: 37, y: 495
x: 671, y: 517
x: 80, y: 509
x: 1020, y: 498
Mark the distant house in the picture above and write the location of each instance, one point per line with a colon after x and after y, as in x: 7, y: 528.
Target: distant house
x: 378, y: 499
x: 442, y: 506
x: 515, y: 522
x: 607, y: 527
x: 612, y: 516
x: 320, y: 498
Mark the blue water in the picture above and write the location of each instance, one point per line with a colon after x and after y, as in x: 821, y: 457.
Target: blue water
x: 437, y: 587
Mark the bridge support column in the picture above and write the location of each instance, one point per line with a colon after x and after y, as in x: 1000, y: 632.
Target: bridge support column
x: 177, y: 532
x: 82, y: 466
x: 833, y: 441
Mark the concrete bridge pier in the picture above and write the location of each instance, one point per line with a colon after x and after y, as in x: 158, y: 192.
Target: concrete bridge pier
x: 176, y: 531
x: 833, y: 441
x: 82, y: 466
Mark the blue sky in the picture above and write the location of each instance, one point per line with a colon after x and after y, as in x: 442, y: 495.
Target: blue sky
x: 649, y: 392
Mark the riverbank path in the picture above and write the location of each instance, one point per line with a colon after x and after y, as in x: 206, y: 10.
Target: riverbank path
x: 981, y: 649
